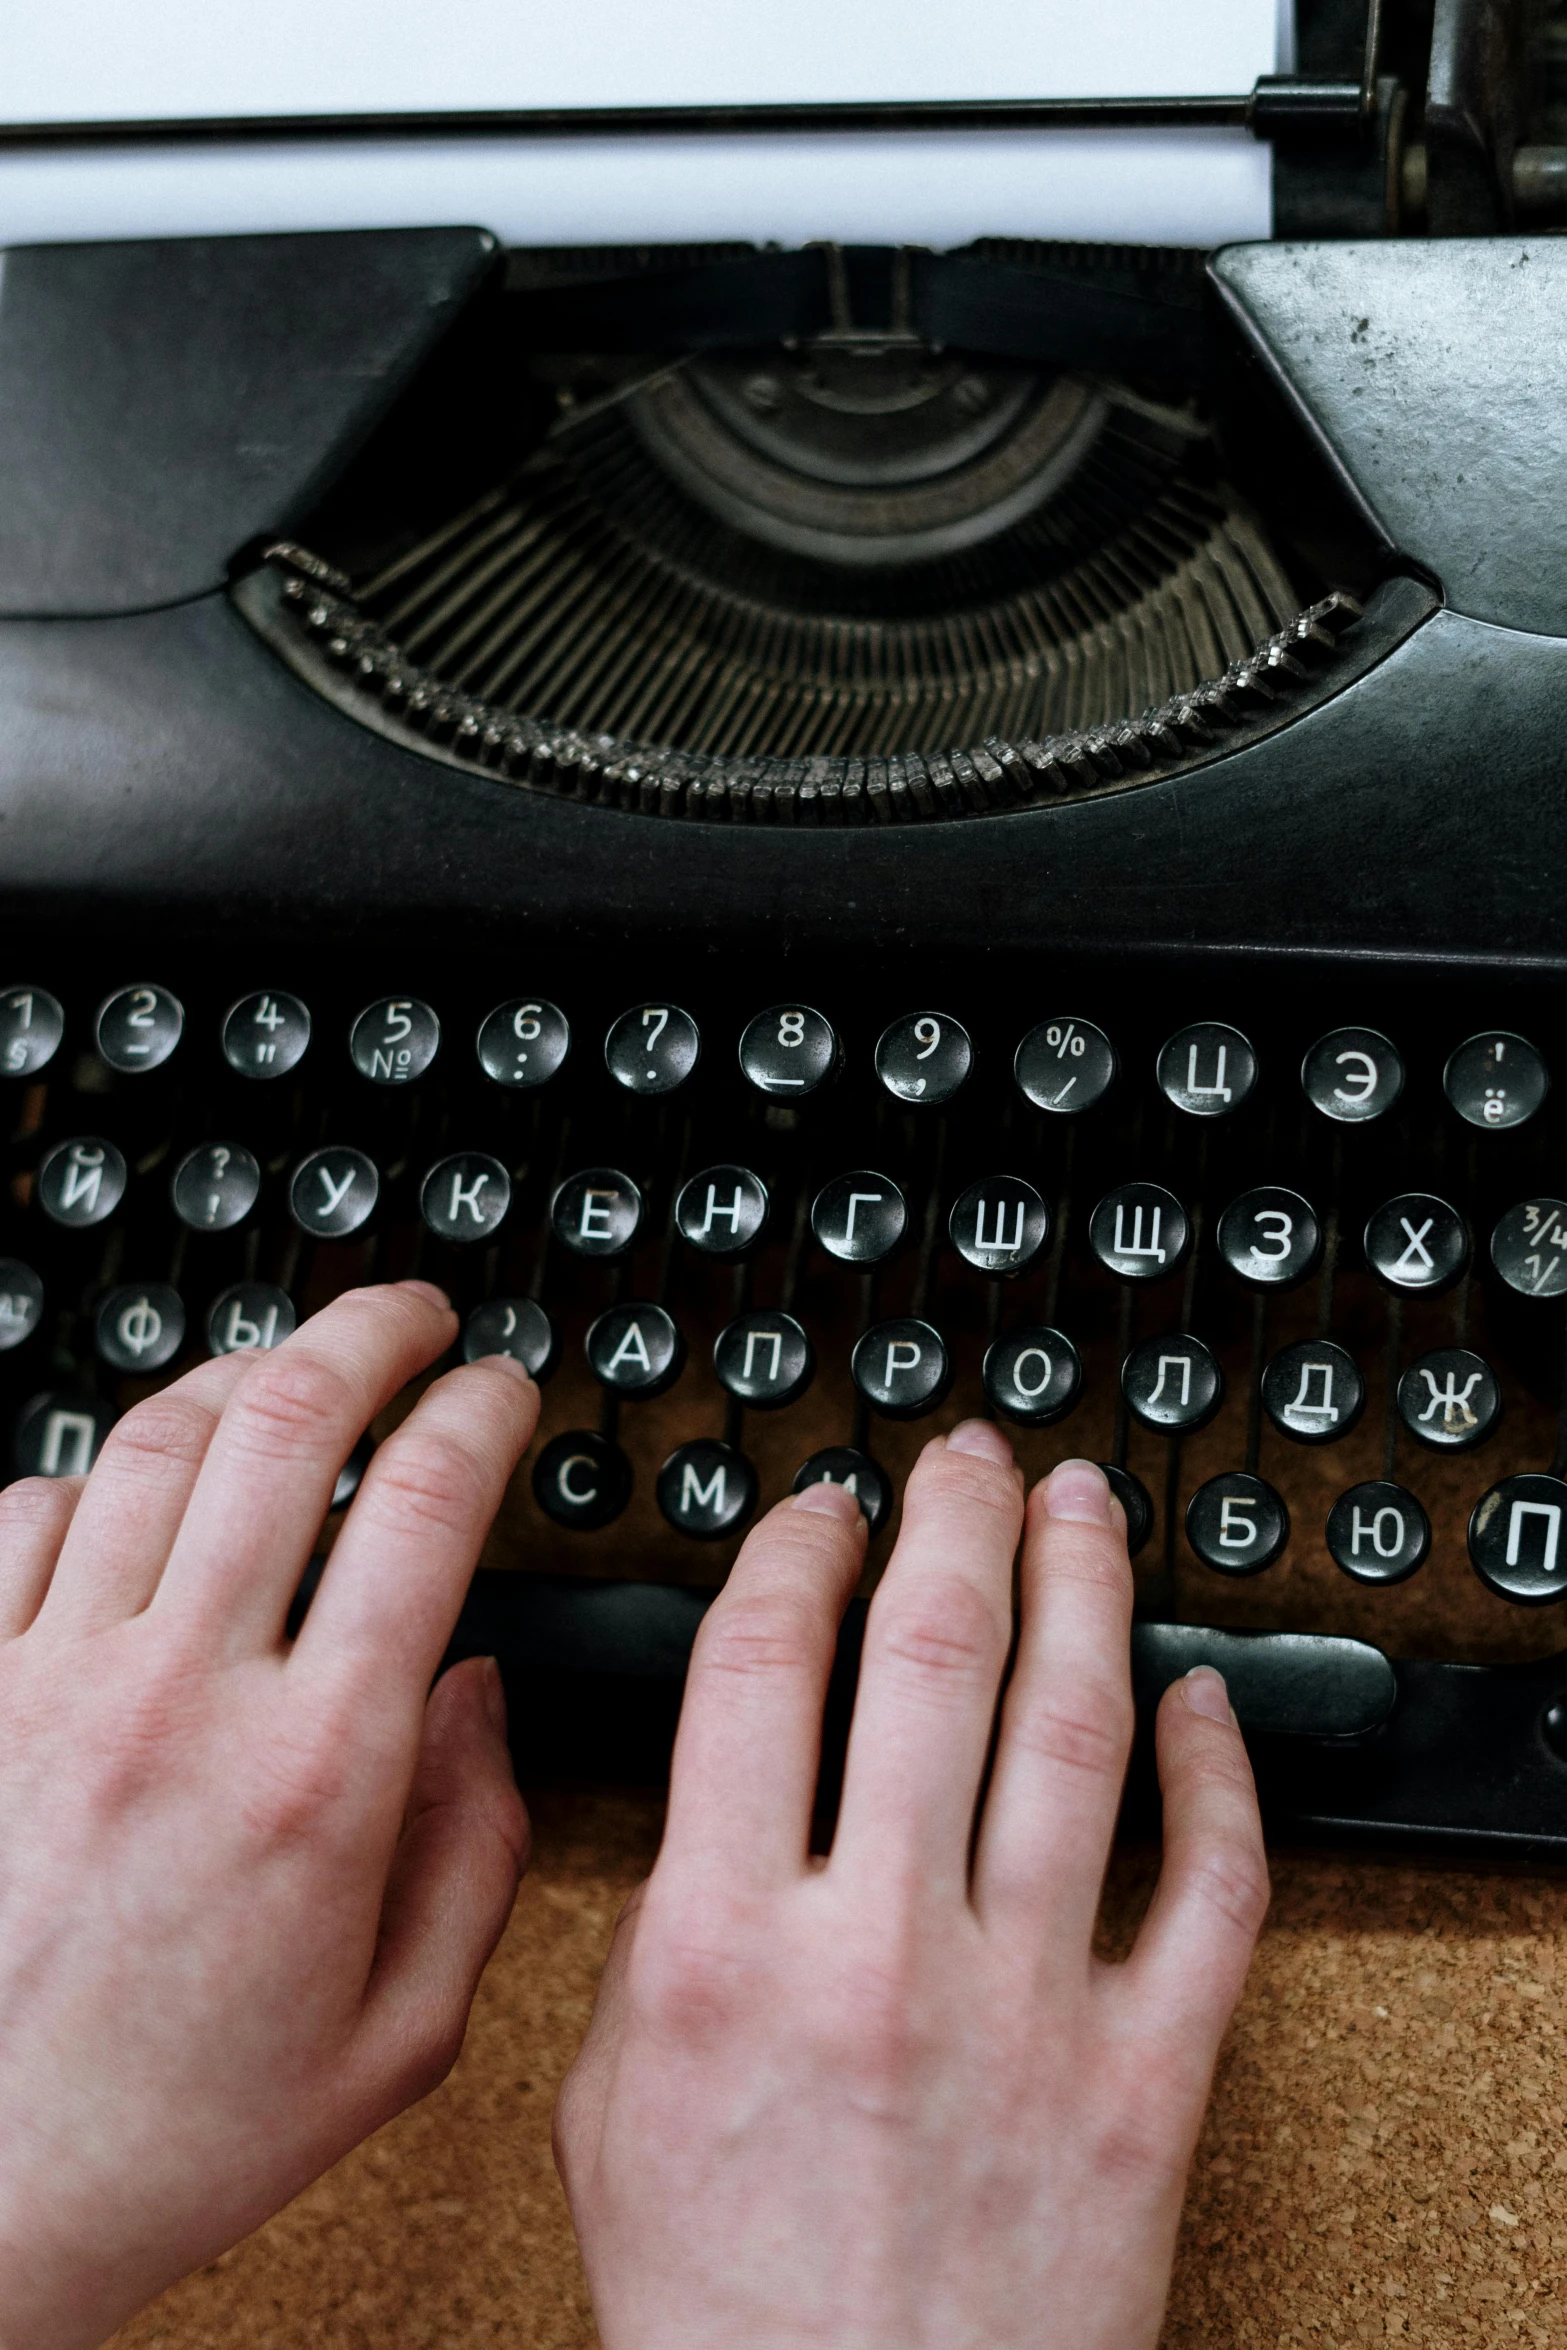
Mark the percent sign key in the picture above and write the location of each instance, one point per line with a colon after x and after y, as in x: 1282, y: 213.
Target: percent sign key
x: 1065, y: 1065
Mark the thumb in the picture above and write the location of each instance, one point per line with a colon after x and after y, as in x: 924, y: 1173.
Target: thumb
x: 579, y: 2109
x: 449, y: 1893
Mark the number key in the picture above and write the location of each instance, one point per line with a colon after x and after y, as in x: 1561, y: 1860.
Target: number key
x: 138, y: 1027
x: 395, y: 1040
x: 924, y: 1058
x: 788, y: 1052
x: 522, y: 1044
x: 652, y: 1049
x: 1529, y: 1247
x: 31, y: 1026
x: 265, y: 1035
x: 1065, y: 1065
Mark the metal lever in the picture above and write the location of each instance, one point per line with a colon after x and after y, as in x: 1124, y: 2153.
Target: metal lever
x: 1298, y: 1684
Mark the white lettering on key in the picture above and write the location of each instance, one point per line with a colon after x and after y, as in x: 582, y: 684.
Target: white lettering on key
x: 1237, y: 1527
x: 1327, y: 1409
x: 1548, y: 1510
x: 75, y: 1428
x: 1000, y: 1245
x: 336, y: 1193
x: 1363, y: 1077
x: 1359, y: 1530
x: 1282, y: 1233
x: 860, y: 1199
x: 716, y: 1207
x: 1218, y: 1090
x: 240, y: 1333
x: 755, y: 1338
x: 578, y: 1495
x: 140, y: 1326
x: 1185, y: 1363
x: 83, y: 1179
x: 694, y: 1494
x: 468, y: 1199
x: 595, y: 1222
x: 632, y: 1349
x: 1134, y: 1247
x: 1032, y: 1354
x: 1417, y: 1258
x: 902, y: 1355
x: 1453, y: 1407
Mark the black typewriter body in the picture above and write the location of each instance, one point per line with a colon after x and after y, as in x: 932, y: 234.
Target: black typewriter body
x: 477, y: 726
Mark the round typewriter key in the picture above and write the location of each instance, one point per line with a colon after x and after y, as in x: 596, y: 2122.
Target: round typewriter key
x: 333, y: 1192
x: 706, y: 1488
x: 1378, y: 1533
x: 842, y: 1464
x: 1032, y: 1376
x: 394, y: 1040
x: 764, y: 1360
x: 1000, y: 1225
x: 1139, y: 1232
x: 140, y: 1329
x: 788, y: 1052
x: 652, y: 1049
x: 1529, y: 1247
x: 21, y: 1303
x: 722, y: 1211
x: 1516, y: 1539
x: 581, y: 1480
x: 60, y: 1435
x: 465, y: 1197
x: 515, y: 1326
x: 251, y: 1314
x: 81, y: 1182
x: 901, y: 1368
x: 924, y: 1057
x: 859, y: 1218
x: 1313, y: 1391
x: 352, y: 1473
x: 266, y: 1035
x: 1417, y: 1243
x: 1207, y: 1070
x: 138, y: 1027
x: 1172, y: 1383
x: 1270, y: 1238
x: 215, y: 1186
x: 32, y: 1023
x: 635, y: 1350
x: 522, y: 1044
x: 1065, y: 1065
x: 1449, y: 1399
x: 597, y: 1213
x: 1237, y: 1524
x: 1352, y: 1075
x: 1132, y: 1494
x: 1496, y: 1079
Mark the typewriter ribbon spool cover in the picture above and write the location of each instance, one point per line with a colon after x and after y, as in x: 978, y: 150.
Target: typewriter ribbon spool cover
x: 830, y: 834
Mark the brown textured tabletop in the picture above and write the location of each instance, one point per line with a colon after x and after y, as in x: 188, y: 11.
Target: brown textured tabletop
x: 1386, y: 2158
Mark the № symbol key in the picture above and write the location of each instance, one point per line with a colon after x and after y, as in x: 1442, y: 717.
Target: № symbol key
x: 394, y: 1040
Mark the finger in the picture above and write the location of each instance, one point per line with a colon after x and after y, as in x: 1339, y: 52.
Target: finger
x: 1066, y: 1726
x: 579, y: 2108
x: 35, y: 1516
x: 394, y: 1584
x: 746, y: 1758
x: 935, y: 1643
x: 452, y: 1884
x: 124, y: 1527
x: 1186, y: 1971
x: 266, y: 1483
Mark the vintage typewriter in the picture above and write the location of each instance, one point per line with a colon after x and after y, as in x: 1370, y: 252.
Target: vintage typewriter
x: 838, y: 837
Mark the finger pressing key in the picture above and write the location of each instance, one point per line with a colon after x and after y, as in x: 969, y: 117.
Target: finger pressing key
x: 266, y: 1483
x: 936, y: 1641
x: 1066, y: 1728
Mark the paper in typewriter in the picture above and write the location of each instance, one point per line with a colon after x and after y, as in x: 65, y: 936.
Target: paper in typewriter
x: 95, y: 61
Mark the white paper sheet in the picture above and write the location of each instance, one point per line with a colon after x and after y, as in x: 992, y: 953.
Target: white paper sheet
x: 101, y: 60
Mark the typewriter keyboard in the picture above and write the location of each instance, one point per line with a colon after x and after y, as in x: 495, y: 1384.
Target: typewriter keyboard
x: 1290, y: 1260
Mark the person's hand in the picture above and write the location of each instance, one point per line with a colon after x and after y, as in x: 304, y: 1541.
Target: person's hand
x: 894, y: 2102
x: 246, y: 1889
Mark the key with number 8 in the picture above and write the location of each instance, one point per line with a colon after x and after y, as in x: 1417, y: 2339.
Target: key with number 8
x: 788, y: 1052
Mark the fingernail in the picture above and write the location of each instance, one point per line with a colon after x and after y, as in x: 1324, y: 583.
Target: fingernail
x: 1078, y: 1491
x: 982, y: 1438
x: 495, y: 1696
x: 832, y: 1501
x: 437, y: 1297
x: 1203, y: 1692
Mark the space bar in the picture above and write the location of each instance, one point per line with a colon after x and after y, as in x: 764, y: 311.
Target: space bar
x: 1302, y: 1684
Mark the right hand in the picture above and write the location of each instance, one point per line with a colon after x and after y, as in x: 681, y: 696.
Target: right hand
x: 894, y: 2101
